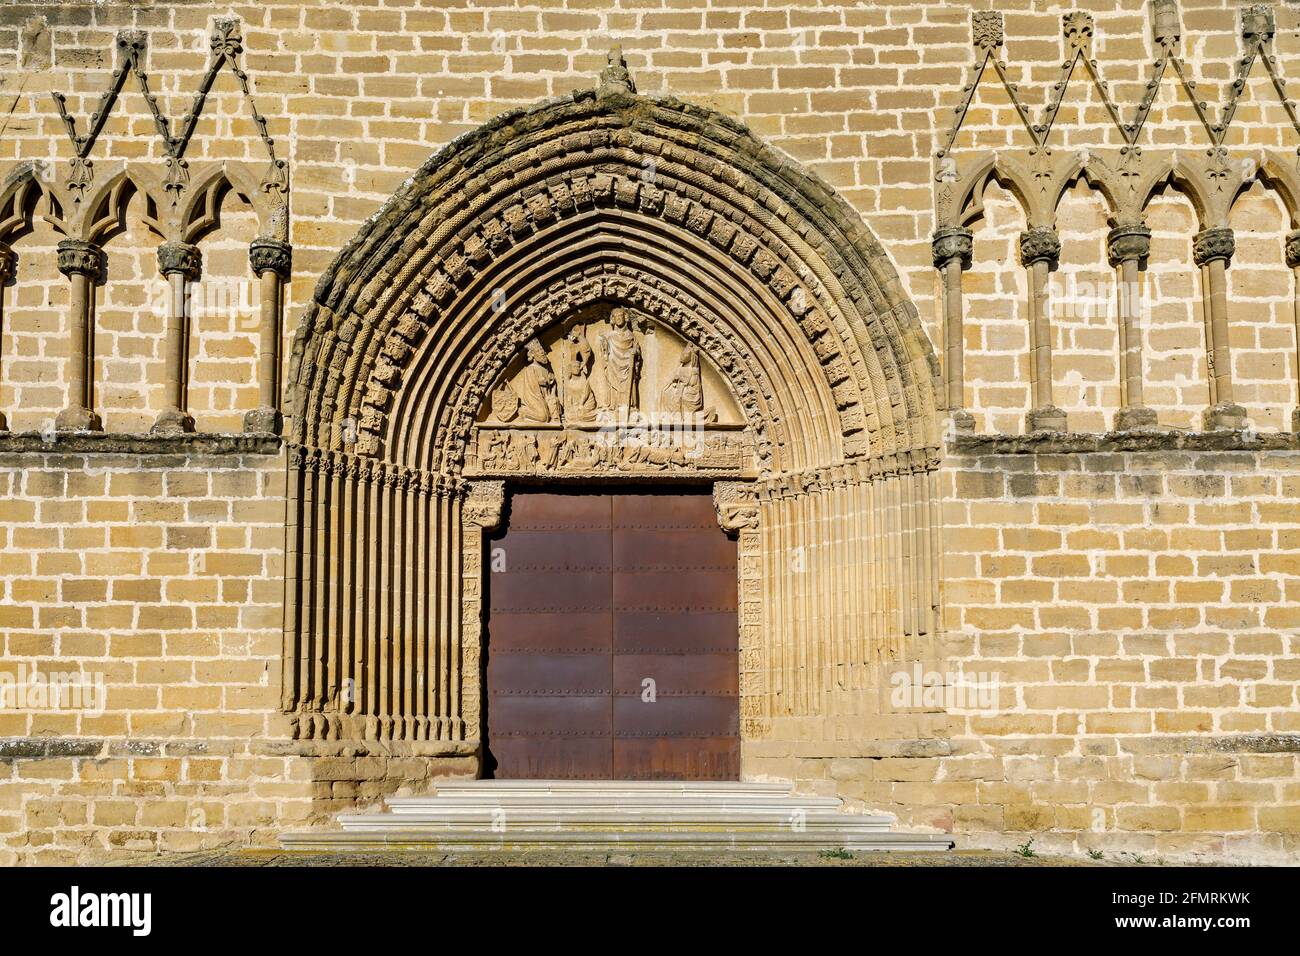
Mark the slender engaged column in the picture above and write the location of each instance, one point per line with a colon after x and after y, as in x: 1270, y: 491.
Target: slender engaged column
x: 8, y: 265
x: 179, y: 263
x: 1212, y: 250
x: 1040, y: 251
x: 80, y: 262
x: 951, y: 247
x: 1293, y: 260
x: 271, y: 260
x: 1128, y: 244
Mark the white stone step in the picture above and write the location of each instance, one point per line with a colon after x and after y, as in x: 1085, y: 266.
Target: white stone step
x: 598, y: 840
x: 596, y: 815
x: 568, y: 796
x: 613, y: 819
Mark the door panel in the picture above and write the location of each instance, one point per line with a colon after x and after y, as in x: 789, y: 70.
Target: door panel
x: 613, y: 639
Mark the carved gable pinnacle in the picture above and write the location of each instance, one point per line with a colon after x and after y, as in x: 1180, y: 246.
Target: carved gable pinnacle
x: 1257, y: 24
x: 986, y: 29
x: 615, y: 77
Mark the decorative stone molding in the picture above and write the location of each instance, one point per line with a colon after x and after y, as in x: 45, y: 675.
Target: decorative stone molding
x: 1128, y: 241
x: 270, y: 255
x: 111, y: 443
x: 8, y: 266
x: 484, y: 504
x: 179, y: 258
x: 1210, y: 245
x: 1293, y: 249
x: 952, y: 244
x: 8, y: 263
x: 1040, y: 244
x: 77, y: 257
x: 986, y: 29
x: 1257, y: 24
x: 1077, y: 443
x: 736, y: 504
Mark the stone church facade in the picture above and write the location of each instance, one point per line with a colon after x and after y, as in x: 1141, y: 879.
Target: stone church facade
x: 943, y: 358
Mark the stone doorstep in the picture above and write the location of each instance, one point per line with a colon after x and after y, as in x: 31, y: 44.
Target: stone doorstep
x: 584, y: 815
x: 595, y: 840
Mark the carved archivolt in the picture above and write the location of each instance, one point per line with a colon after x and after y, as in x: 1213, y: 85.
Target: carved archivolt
x: 537, y: 196
x: 497, y: 321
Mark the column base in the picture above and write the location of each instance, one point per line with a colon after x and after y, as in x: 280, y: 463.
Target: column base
x: 4, y: 423
x: 1224, y: 416
x: 172, y: 421
x: 1295, y: 421
x: 1135, y: 418
x: 263, y: 421
x: 961, y: 421
x: 74, y: 418
x: 1049, y: 418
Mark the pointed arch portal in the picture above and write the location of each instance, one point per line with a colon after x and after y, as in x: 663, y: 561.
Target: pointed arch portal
x: 438, y: 368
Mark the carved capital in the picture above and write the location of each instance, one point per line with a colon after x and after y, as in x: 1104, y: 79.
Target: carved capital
x: 1040, y: 244
x: 484, y: 503
x: 1212, y: 244
x: 8, y: 262
x: 270, y: 255
x: 79, y: 258
x: 179, y: 257
x: 1128, y: 241
x: 949, y: 243
x: 736, y: 505
x: 1293, y: 248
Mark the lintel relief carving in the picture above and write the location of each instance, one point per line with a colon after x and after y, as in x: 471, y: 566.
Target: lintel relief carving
x: 610, y: 392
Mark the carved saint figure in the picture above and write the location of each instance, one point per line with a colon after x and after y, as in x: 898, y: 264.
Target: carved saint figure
x: 622, y: 355
x: 578, y: 399
x: 536, y: 387
x: 684, y: 393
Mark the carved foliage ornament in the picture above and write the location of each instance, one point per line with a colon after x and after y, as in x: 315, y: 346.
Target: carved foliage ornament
x: 1040, y: 244
x: 1211, y: 244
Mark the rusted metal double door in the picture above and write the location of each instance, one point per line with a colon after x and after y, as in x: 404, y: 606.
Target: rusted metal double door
x: 612, y: 640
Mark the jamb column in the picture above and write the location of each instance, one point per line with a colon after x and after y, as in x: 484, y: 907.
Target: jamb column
x: 1212, y: 250
x: 1127, y: 245
x: 80, y: 261
x: 1040, y: 251
x: 8, y: 266
x: 270, y: 259
x: 1293, y: 260
x: 179, y: 264
x: 951, y: 249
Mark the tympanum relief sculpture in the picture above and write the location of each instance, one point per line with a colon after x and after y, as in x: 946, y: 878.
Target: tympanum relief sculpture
x: 609, y: 391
